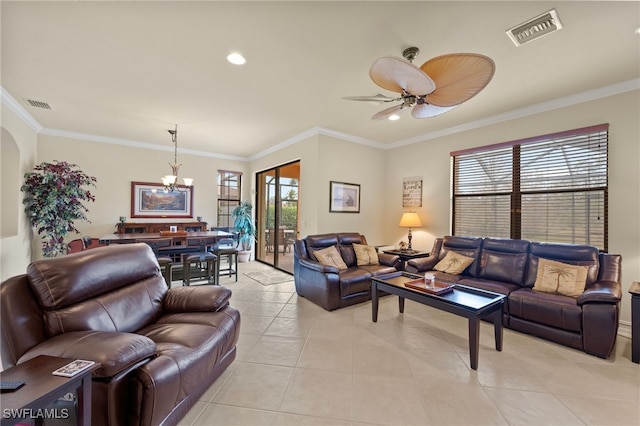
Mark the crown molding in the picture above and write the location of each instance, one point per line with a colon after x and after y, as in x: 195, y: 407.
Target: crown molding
x: 13, y: 105
x: 136, y: 144
x: 316, y: 131
x: 590, y: 95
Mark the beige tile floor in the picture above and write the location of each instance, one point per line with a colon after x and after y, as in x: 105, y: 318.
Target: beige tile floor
x: 298, y: 364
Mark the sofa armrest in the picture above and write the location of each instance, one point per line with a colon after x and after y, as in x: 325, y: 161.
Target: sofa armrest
x: 389, y: 260
x: 196, y: 299
x: 422, y: 264
x: 602, y: 292
x: 114, y: 351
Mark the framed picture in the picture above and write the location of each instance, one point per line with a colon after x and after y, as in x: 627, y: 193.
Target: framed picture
x: 344, y: 197
x: 412, y: 191
x: 149, y: 200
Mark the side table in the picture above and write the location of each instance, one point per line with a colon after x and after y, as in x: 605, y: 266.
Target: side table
x: 635, y: 322
x: 406, y: 255
x: 42, y: 388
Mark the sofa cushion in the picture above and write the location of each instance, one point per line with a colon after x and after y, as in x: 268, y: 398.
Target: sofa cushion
x: 346, y: 240
x: 314, y: 243
x: 453, y: 263
x: 567, y: 253
x: 553, y: 310
x: 560, y: 278
x: 466, y: 246
x: 365, y: 255
x: 504, y: 260
x: 330, y: 257
x: 354, y: 280
x: 62, y: 281
x: 83, y: 291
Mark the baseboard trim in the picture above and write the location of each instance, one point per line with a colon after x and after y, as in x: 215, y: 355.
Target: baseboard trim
x: 624, y: 329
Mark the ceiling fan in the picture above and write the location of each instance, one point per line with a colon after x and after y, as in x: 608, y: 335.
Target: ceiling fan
x: 438, y: 86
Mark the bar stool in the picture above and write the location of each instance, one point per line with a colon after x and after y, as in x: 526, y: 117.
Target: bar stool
x: 225, y: 247
x: 202, y: 257
x: 165, y: 262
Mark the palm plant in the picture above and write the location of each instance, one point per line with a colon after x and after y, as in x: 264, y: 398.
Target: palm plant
x: 244, y: 225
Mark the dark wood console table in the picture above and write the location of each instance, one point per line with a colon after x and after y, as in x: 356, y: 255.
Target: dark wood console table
x: 42, y: 388
x: 153, y: 227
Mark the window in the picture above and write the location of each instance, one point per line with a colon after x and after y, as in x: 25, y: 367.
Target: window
x: 549, y: 188
x: 229, y: 190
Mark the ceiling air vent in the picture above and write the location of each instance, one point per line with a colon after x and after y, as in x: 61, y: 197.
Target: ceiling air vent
x: 537, y: 27
x: 38, y: 104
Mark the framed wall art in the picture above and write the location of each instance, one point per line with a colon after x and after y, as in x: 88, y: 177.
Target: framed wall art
x: 412, y: 191
x: 148, y: 199
x: 344, y: 197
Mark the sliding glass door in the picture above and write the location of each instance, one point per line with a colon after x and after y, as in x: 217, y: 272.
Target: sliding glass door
x: 277, y: 214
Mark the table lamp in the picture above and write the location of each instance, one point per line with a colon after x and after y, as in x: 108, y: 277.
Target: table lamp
x: 410, y: 220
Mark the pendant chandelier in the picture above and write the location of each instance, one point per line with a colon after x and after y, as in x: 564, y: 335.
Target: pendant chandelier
x: 170, y: 182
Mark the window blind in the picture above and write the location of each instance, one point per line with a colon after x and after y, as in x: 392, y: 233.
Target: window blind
x: 547, y: 188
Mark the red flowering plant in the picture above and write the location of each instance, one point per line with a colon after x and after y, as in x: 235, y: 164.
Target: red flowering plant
x: 53, y: 197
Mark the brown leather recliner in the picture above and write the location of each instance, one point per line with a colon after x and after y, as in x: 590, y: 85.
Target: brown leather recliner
x: 160, y: 349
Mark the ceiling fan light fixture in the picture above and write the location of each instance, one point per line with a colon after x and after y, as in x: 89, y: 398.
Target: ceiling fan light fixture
x: 236, y: 58
x: 394, y: 117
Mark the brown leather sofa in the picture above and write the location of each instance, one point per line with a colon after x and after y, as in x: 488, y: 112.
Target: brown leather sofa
x: 588, y: 322
x: 329, y: 287
x: 159, y: 349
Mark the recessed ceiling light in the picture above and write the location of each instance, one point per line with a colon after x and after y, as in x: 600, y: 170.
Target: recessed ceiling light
x: 638, y: 30
x: 394, y: 117
x: 236, y: 58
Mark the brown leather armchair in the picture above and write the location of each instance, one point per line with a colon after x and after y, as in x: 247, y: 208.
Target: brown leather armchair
x: 159, y: 349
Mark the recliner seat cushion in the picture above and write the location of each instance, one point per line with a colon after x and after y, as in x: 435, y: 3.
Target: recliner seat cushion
x: 554, y: 310
x: 354, y: 280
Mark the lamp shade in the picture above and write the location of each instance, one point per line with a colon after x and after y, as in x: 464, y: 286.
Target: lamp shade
x: 410, y: 220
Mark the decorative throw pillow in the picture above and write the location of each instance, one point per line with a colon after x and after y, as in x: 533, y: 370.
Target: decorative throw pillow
x: 365, y: 255
x: 560, y: 278
x: 330, y: 257
x: 453, y: 263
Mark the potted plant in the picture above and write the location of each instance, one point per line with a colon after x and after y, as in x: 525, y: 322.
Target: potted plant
x: 245, y: 226
x: 53, y: 197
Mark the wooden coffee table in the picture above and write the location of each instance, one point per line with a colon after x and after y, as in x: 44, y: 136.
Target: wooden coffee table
x: 43, y: 388
x: 473, y: 304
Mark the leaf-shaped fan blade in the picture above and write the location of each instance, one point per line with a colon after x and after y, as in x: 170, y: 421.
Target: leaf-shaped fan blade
x: 396, y: 75
x: 458, y: 76
x: 386, y: 113
x: 377, y: 98
x: 426, y: 110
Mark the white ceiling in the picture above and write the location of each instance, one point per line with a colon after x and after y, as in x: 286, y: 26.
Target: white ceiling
x: 131, y: 70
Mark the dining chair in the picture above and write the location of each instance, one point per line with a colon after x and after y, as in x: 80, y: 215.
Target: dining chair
x: 202, y: 261
x: 226, y: 248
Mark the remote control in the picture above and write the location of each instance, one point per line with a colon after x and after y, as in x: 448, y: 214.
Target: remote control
x: 10, y: 385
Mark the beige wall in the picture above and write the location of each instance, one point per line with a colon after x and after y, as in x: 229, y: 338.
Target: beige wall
x: 116, y: 166
x: 323, y: 159
x: 431, y: 159
x: 19, y: 143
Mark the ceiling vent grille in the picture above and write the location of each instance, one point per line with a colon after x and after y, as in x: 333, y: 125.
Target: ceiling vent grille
x: 38, y: 104
x: 537, y: 27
